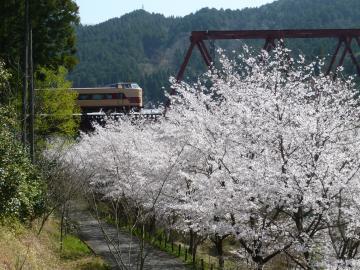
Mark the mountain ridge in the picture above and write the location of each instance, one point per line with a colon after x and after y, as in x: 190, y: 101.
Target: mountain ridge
x: 149, y: 47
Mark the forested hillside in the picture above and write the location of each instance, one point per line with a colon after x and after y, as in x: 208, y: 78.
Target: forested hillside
x: 148, y: 48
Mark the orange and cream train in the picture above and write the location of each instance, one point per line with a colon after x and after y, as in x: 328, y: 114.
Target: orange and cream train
x: 119, y: 97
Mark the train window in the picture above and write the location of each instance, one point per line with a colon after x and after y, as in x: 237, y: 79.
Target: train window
x: 135, y: 86
x: 101, y: 96
x: 97, y: 97
x: 83, y: 97
x: 126, y: 85
x: 119, y: 96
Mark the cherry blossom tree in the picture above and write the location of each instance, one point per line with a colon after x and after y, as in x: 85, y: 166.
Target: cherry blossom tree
x: 261, y: 149
x: 286, y: 142
x: 133, y: 166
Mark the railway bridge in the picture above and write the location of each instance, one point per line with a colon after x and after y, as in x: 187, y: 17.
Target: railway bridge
x: 101, y: 117
x: 345, y: 39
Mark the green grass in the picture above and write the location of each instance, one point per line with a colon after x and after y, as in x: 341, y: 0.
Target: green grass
x: 74, y: 248
x: 22, y: 247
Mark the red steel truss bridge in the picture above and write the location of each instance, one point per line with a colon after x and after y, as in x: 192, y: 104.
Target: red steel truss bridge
x: 346, y: 39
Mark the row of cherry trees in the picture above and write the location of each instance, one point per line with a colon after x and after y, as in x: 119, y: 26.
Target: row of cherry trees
x: 261, y: 150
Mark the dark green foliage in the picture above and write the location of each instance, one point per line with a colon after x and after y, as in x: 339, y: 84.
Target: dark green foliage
x: 53, y: 22
x: 147, y: 48
x: 53, y: 32
x: 21, y: 189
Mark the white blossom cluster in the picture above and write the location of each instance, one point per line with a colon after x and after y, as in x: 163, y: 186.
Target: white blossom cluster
x: 261, y: 149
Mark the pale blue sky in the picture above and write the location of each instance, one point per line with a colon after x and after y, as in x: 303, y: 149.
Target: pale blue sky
x: 96, y: 11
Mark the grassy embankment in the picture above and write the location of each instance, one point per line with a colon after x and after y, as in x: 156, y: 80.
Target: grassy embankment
x: 22, y: 248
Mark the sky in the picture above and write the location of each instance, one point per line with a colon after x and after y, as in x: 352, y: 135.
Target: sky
x: 96, y: 11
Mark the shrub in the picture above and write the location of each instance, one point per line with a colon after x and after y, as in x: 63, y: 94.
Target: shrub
x: 21, y: 189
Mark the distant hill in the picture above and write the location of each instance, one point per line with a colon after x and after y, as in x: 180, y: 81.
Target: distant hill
x: 147, y: 48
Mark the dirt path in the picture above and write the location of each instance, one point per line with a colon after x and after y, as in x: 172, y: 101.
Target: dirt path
x: 93, y: 235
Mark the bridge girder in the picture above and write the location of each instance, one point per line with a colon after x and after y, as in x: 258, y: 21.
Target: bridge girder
x: 345, y: 39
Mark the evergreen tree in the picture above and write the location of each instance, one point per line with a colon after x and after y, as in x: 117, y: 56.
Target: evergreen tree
x: 53, y: 24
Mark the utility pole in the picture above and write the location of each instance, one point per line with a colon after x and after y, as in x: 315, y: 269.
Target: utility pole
x: 28, y: 95
x: 31, y: 99
x: 25, y: 78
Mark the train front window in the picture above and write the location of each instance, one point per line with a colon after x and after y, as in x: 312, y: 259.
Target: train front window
x: 135, y: 86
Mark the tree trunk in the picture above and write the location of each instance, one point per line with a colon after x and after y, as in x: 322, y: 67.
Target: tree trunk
x: 152, y: 225
x: 192, y: 245
x: 191, y: 240
x: 62, y: 227
x: 142, y: 247
x: 193, y: 253
x: 220, y: 251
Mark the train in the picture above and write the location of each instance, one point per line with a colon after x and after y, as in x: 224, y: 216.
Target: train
x: 118, y: 97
